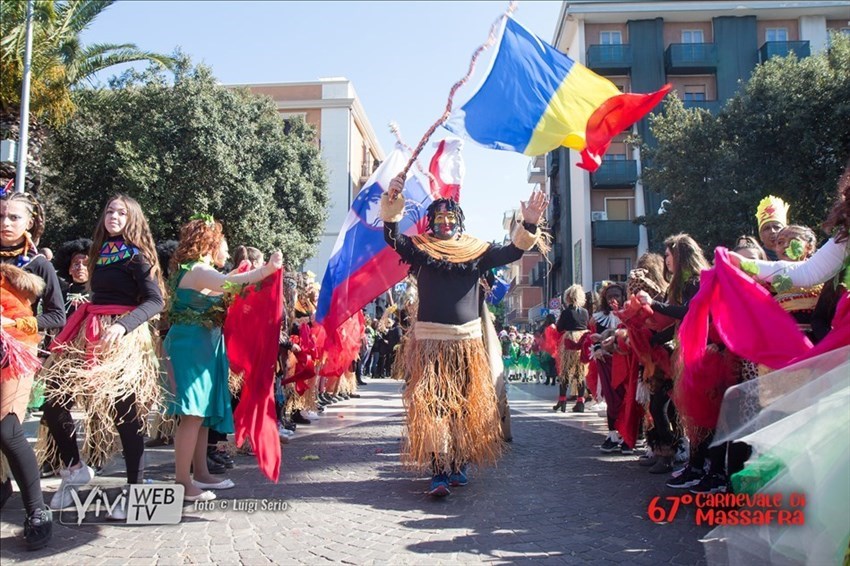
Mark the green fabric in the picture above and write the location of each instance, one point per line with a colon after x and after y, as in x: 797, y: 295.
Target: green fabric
x: 756, y: 474
x: 198, y: 382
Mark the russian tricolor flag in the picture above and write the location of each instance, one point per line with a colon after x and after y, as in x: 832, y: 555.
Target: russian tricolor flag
x: 536, y: 99
x: 362, y: 265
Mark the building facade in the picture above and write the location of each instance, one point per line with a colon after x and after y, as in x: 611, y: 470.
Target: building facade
x: 705, y: 50
x: 524, y: 307
x: 348, y: 144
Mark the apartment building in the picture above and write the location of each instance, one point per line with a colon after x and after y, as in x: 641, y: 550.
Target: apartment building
x: 705, y: 49
x: 349, y: 146
x: 524, y: 307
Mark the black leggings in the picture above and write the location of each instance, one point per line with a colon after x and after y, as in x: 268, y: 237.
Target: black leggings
x: 61, y: 425
x: 663, y: 418
x: 22, y: 462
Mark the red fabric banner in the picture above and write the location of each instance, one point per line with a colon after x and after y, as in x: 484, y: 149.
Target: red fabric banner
x: 251, y: 334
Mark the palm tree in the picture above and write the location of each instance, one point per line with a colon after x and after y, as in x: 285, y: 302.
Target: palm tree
x: 60, y: 63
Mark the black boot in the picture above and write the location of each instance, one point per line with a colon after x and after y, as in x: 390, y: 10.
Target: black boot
x: 559, y: 405
x: 38, y: 529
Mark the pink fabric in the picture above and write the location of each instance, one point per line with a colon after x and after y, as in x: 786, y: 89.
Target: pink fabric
x: 86, y: 315
x: 746, y: 318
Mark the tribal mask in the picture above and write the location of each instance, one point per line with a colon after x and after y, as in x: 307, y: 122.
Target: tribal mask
x: 445, y: 219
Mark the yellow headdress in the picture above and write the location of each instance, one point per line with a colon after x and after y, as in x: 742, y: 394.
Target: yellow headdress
x: 772, y: 209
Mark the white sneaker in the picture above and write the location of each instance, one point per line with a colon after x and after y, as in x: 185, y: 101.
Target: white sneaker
x: 81, y: 476
x: 119, y: 512
x: 284, y: 432
x: 312, y: 415
x: 601, y: 409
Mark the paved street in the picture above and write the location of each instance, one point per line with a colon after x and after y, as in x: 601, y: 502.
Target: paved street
x: 553, y: 499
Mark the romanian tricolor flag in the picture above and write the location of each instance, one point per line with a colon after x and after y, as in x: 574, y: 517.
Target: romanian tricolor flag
x: 536, y: 99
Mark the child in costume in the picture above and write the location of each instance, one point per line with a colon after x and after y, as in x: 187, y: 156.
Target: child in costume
x: 196, y: 353
x: 24, y: 277
x: 105, y: 359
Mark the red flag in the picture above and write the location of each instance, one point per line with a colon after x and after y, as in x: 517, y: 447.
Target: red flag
x: 251, y: 334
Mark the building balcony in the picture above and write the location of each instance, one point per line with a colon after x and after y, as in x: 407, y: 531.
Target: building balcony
x: 690, y: 58
x: 712, y: 106
x: 615, y: 234
x: 783, y: 49
x: 615, y: 174
x: 537, y: 170
x: 610, y: 59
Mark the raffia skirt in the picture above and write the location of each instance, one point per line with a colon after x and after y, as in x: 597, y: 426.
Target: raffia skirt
x: 95, y: 380
x: 573, y: 371
x: 451, y: 404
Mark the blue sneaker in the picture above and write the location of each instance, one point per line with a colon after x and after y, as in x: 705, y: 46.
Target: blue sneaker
x: 459, y: 478
x: 439, y: 486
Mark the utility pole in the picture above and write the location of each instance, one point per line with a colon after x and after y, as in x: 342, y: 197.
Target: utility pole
x: 23, y: 142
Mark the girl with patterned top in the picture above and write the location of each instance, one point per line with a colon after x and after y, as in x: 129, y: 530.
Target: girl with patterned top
x: 104, y: 359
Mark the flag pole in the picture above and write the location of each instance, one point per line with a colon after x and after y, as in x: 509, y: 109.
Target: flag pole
x: 447, y: 112
x: 23, y: 142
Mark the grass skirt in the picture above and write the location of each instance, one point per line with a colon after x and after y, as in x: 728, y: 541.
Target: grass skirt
x: 96, y: 379
x: 452, y: 411
x: 573, y: 371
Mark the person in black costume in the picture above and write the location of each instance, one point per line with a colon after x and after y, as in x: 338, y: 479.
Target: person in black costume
x: 452, y: 409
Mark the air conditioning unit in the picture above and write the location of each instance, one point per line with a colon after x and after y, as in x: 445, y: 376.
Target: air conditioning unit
x: 598, y: 215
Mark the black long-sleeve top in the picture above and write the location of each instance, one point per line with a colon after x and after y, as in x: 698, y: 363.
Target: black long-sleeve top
x: 674, y: 311
x: 52, y: 305
x: 573, y: 318
x: 449, y: 293
x: 128, y: 282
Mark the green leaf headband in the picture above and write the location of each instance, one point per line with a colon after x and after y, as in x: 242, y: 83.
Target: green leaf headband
x: 208, y: 218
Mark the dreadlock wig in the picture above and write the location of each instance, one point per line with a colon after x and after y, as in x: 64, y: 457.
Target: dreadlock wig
x: 451, y: 206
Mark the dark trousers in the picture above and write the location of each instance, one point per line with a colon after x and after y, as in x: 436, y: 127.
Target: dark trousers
x: 130, y: 429
x: 22, y: 462
x: 663, y: 417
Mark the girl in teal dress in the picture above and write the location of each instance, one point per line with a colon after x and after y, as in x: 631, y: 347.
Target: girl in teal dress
x: 196, y: 356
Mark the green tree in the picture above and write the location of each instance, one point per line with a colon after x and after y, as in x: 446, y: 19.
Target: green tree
x: 59, y: 63
x: 188, y: 147
x: 787, y: 133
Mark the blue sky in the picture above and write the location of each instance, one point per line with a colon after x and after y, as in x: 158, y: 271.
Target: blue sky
x: 402, y: 57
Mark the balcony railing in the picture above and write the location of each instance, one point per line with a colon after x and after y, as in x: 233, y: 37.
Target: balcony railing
x: 712, y: 106
x: 783, y: 49
x: 690, y: 58
x: 536, y: 172
x: 615, y: 174
x: 615, y: 234
x: 610, y: 59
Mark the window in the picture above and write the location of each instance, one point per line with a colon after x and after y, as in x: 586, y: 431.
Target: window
x: 776, y: 34
x: 611, y: 37
x: 618, y: 269
x: 618, y: 208
x: 694, y: 93
x: 693, y: 36
x: 614, y: 157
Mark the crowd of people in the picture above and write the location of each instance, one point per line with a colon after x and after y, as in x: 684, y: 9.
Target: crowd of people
x: 130, y: 333
x: 626, y: 349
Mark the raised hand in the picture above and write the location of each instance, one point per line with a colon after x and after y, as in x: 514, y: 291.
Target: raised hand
x: 275, y: 261
x: 396, y: 187
x: 533, y: 209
